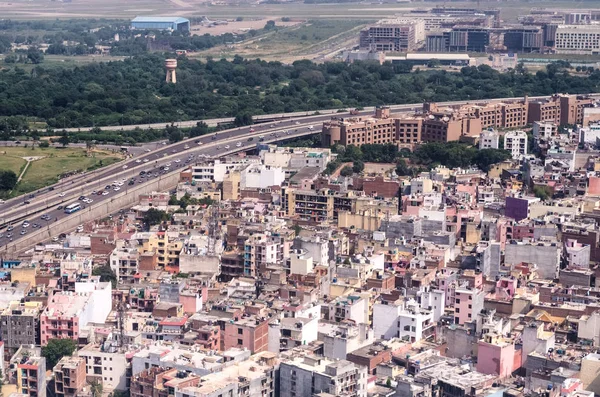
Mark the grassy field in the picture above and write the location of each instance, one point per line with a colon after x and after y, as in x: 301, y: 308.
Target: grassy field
x: 49, y: 164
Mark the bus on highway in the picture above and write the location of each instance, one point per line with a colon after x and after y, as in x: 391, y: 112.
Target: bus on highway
x: 69, y: 209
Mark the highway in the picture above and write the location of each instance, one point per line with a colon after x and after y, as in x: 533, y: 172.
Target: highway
x: 102, y: 184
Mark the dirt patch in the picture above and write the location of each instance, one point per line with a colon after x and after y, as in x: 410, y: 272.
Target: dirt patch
x: 240, y: 27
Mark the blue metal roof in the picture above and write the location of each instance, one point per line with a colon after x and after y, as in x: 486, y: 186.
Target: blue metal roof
x: 160, y: 19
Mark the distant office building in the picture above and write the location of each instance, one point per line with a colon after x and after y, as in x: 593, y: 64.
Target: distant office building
x: 160, y: 23
x: 467, y: 39
x: 550, y: 34
x: 435, y: 42
x: 389, y: 37
x: 578, y: 39
x: 524, y: 39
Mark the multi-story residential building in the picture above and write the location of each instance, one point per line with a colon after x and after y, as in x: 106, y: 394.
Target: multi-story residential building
x: 389, y: 37
x: 68, y: 313
x: 124, y: 262
x: 489, y: 140
x: 468, y: 303
x: 215, y: 171
x: 256, y: 377
x: 262, y: 250
x: 251, y: 333
x: 516, y: 143
x: 406, y: 320
x: 259, y: 176
x: 289, y: 332
x: 28, y: 371
x: 578, y: 39
x: 544, y: 130
x: 20, y: 325
x: 341, y: 339
x: 69, y: 376
x: 348, y: 308
x: 160, y: 382
x: 108, y: 366
x: 305, y: 376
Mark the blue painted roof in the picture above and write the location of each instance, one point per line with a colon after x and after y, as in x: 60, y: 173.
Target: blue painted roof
x: 160, y: 19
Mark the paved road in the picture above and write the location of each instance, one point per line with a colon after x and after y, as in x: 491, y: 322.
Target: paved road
x: 175, y: 156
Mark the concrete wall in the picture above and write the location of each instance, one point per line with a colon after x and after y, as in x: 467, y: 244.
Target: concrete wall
x: 126, y: 198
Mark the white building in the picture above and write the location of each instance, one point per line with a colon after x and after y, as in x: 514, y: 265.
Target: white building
x: 216, y: 171
x: 100, y: 299
x: 489, y: 140
x: 341, y: 339
x: 434, y: 300
x: 578, y: 39
x: 306, y: 375
x: 589, y: 327
x: 124, y: 262
x: 353, y: 308
x: 107, y: 365
x: 544, y: 129
x: 317, y: 248
x: 294, y: 159
x: 589, y: 134
x: 301, y: 262
x: 258, y: 176
x: 402, y: 320
x: 289, y: 332
x: 516, y: 143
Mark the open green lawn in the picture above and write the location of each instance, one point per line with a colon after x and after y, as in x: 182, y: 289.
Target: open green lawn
x: 52, y: 163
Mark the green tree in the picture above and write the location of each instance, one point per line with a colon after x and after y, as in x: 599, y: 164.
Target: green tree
x: 358, y: 166
x: 57, y: 349
x: 35, y: 56
x: 8, y: 180
x: 243, y: 119
x: 64, y: 139
x: 155, y: 217
x: 200, y: 129
x: 106, y: 274
x: 10, y: 58
x: 542, y: 192
x: 487, y: 157
x: 346, y: 171
x: 96, y: 388
x: 401, y: 168
x: 297, y: 230
x: 270, y: 25
x: 44, y: 144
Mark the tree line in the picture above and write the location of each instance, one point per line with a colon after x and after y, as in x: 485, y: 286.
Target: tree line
x: 134, y: 91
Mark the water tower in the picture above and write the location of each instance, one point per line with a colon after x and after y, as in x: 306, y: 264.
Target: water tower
x: 171, y: 65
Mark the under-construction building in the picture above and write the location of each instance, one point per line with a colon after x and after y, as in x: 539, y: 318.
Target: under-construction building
x: 388, y: 37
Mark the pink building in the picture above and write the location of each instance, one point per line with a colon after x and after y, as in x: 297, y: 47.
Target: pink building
x: 506, y: 286
x: 468, y: 303
x: 65, y: 314
x: 497, y: 356
x: 593, y: 186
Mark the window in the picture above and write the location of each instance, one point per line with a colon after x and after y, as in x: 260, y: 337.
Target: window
x: 458, y: 301
x: 240, y: 331
x: 457, y: 310
x: 240, y: 342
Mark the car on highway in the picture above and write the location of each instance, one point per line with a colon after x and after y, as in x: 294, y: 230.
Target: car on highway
x: 9, y: 235
x: 2, y: 201
x: 105, y: 193
x: 10, y: 228
x: 239, y: 144
x: 81, y: 198
x: 310, y: 127
x: 226, y: 146
x: 177, y: 161
x: 35, y: 225
x: 250, y: 139
x: 26, y: 202
x: 99, y: 193
x: 166, y: 169
x: 145, y: 160
x: 60, y: 207
x: 148, y: 150
x: 25, y: 224
x: 125, y: 167
x: 186, y: 147
x: 138, y: 161
x: 213, y: 138
x: 23, y: 232
x: 116, y: 189
x: 61, y: 194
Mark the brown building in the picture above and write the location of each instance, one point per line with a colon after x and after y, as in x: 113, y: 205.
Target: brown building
x: 371, y: 356
x: 358, y: 130
x: 380, y: 187
x: 440, y: 127
x: 156, y: 382
x: 69, y: 376
x: 560, y: 109
x: 249, y: 332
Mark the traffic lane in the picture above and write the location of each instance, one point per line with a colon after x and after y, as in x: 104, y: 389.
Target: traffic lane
x: 222, y: 136
x: 155, y: 173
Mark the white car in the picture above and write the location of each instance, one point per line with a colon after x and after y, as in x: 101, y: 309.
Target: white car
x: 145, y: 160
x: 226, y: 146
x: 238, y: 144
x: 105, y: 193
x: 177, y: 161
x: 168, y: 164
x: 138, y: 161
x: 116, y: 188
x: 186, y: 147
x: 89, y: 201
x: 125, y: 167
x: 148, y: 150
x: 310, y: 127
x: 166, y: 168
x: 61, y: 194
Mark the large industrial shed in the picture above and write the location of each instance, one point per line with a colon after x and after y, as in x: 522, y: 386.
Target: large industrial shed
x: 160, y: 23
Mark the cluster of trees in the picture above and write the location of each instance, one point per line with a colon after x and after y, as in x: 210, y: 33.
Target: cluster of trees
x: 106, y: 274
x: 186, y: 200
x: 134, y: 91
x: 8, y: 180
x: 155, y: 217
x: 57, y: 349
x: 358, y: 156
x: 455, y: 154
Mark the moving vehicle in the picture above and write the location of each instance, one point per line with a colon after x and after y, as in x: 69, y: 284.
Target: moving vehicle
x: 238, y: 144
x: 69, y: 209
